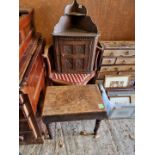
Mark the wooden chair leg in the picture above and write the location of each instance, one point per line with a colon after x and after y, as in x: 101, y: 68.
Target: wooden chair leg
x: 49, y: 131
x: 97, y: 125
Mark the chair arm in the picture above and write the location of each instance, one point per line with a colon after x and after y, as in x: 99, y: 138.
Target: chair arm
x: 46, y: 59
x: 98, y: 59
x: 100, y: 48
x: 46, y: 50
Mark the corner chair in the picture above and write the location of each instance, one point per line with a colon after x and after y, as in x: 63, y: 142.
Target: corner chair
x: 55, y: 78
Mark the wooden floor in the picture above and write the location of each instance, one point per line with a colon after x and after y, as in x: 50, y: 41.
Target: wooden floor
x: 116, y: 138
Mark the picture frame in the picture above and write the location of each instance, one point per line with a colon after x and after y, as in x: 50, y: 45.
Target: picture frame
x: 116, y: 94
x: 120, y: 99
x: 116, y: 81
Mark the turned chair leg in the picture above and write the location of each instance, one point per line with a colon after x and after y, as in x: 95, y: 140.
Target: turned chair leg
x: 49, y: 131
x: 97, y: 125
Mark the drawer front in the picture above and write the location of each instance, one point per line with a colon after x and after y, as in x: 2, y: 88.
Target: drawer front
x: 101, y: 75
x: 118, y: 68
x: 125, y: 61
x: 131, y: 73
x: 108, y: 61
x: 117, y: 53
x: 118, y: 44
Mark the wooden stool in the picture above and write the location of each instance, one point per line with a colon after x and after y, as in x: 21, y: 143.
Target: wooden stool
x: 71, y: 103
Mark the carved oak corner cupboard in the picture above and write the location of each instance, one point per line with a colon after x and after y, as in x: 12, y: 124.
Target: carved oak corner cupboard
x: 75, y: 38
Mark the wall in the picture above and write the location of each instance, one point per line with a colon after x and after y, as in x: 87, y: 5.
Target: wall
x: 115, y: 18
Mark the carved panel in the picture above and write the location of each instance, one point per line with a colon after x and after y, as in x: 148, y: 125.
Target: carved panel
x: 69, y: 64
x: 80, y: 49
x: 68, y: 49
x: 75, y: 48
x: 80, y: 64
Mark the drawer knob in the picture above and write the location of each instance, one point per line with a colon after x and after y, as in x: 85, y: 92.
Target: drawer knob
x: 123, y: 61
x: 111, y: 54
x: 109, y: 61
x: 116, y: 69
x: 130, y: 68
x: 127, y: 53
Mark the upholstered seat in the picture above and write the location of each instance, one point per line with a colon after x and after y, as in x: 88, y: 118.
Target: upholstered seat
x: 71, y: 78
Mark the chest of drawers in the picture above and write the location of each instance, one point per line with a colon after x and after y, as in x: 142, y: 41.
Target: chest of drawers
x: 118, y: 59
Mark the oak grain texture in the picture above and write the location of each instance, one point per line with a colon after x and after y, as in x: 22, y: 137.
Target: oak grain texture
x: 121, y: 45
x: 61, y: 100
x: 125, y: 60
x: 119, y: 53
x: 115, y: 19
x: 118, y: 68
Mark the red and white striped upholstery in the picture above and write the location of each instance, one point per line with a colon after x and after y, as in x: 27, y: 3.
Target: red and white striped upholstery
x: 72, y: 78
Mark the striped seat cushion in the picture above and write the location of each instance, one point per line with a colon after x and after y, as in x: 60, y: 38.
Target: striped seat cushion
x: 72, y: 78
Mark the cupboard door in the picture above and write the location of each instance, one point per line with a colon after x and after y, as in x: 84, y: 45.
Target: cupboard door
x: 67, y: 57
x: 75, y: 56
x: 81, y: 57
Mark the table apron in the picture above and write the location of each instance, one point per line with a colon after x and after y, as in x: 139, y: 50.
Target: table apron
x: 74, y: 117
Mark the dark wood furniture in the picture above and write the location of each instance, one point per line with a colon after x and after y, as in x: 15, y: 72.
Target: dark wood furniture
x: 71, y: 78
x: 118, y: 59
x: 25, y: 29
x: 75, y: 38
x: 76, y: 53
x: 31, y: 80
x: 70, y: 103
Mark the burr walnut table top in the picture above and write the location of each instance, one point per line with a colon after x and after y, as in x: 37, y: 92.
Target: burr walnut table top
x: 70, y: 100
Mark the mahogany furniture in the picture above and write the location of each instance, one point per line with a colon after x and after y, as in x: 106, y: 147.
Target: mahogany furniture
x: 26, y: 29
x: 71, y: 103
x: 31, y: 80
x: 75, y: 38
x: 118, y: 60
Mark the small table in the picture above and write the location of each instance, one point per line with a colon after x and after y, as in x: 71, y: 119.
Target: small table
x: 71, y: 103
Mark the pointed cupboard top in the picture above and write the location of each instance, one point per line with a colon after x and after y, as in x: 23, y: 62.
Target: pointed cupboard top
x: 75, y: 9
x: 75, y: 22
